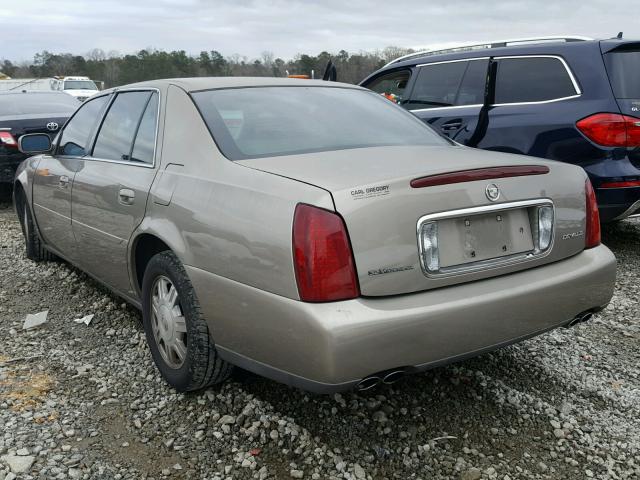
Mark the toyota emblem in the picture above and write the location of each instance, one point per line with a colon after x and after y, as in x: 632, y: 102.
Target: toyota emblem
x: 493, y: 192
x: 52, y: 126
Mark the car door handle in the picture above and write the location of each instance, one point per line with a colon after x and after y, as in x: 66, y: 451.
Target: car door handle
x: 126, y: 196
x: 451, y: 126
x: 63, y: 182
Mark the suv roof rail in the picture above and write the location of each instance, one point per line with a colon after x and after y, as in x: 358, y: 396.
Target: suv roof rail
x: 464, y: 47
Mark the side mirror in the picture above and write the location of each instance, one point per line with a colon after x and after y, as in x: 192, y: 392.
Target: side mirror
x: 33, y: 143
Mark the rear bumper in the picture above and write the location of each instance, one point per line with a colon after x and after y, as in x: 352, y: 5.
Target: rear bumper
x: 8, y: 166
x: 618, y: 203
x: 332, y: 346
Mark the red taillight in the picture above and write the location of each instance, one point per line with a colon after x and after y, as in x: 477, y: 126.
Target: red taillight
x: 611, y: 129
x: 592, y: 236
x: 621, y: 184
x: 7, y: 140
x: 323, y: 260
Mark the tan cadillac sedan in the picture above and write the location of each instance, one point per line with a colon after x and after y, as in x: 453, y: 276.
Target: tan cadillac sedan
x: 312, y: 232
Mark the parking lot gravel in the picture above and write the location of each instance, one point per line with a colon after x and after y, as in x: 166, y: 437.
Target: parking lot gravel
x: 86, y: 402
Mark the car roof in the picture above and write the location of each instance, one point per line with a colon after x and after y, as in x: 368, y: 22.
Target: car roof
x: 547, y: 48
x: 208, y: 83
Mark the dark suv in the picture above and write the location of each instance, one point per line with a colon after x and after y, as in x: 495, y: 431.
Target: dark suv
x: 570, y: 99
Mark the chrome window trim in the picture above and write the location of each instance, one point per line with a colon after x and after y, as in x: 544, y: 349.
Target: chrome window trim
x: 476, y: 105
x: 574, y: 82
x: 155, y: 144
x: 491, y: 263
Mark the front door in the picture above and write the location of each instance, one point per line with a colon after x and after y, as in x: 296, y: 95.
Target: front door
x: 110, y: 191
x: 53, y: 179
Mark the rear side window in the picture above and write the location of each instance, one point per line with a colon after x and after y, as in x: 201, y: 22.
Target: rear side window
x: 115, y: 138
x: 391, y: 85
x: 145, y: 141
x: 623, y: 68
x: 77, y: 132
x: 532, y: 79
x: 449, y: 84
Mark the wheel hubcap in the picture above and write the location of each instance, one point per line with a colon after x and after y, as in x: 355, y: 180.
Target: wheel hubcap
x: 168, y: 322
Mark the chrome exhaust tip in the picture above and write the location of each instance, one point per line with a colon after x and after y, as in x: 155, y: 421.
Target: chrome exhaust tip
x: 368, y: 383
x: 393, y: 377
x: 580, y: 318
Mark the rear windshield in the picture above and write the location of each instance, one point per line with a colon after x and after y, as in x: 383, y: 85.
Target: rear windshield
x: 272, y: 121
x: 79, y: 85
x: 624, y: 73
x: 36, y: 103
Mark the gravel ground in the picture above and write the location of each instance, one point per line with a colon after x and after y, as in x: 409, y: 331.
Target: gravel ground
x: 80, y: 401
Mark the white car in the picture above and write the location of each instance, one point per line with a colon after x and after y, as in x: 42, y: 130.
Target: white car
x: 79, y: 87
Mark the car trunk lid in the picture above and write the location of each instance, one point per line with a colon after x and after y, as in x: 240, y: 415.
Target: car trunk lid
x: 372, y: 191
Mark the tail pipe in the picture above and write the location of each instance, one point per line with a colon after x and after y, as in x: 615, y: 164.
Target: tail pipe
x: 580, y: 318
x: 388, y: 377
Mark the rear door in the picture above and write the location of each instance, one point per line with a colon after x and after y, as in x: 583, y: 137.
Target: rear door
x: 111, y: 188
x: 449, y: 96
x: 53, y: 181
x: 535, y: 106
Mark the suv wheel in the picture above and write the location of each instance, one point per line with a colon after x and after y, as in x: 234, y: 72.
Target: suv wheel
x: 176, y: 332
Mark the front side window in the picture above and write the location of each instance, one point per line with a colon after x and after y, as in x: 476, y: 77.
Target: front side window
x: 78, y: 131
x: 437, y: 85
x: 115, y: 139
x: 391, y: 85
x: 532, y: 79
x: 270, y: 121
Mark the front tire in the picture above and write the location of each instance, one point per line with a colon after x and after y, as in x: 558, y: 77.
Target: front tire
x: 177, y: 334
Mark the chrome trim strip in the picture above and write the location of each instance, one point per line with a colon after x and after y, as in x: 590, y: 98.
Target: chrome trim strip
x: 491, y: 263
x: 539, y: 102
x: 453, y: 61
x: 557, y: 57
x: 476, y: 105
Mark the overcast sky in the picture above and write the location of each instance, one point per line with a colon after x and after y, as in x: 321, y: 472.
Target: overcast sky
x: 287, y: 27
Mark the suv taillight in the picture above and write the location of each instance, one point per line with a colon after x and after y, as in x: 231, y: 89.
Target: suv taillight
x: 323, y: 260
x: 611, y: 129
x: 592, y: 236
x: 7, y: 140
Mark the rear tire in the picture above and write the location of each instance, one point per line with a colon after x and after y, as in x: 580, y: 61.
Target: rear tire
x: 34, y: 249
x: 177, y: 334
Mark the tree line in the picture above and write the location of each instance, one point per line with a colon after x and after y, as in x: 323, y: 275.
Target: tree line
x: 116, y: 69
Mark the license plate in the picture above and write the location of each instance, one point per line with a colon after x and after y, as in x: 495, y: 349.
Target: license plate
x: 475, y: 238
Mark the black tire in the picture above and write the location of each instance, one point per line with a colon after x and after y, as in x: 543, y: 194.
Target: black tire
x: 34, y: 249
x: 202, y: 366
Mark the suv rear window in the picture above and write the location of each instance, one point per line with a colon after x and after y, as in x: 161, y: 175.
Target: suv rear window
x: 37, y: 103
x: 270, y: 121
x: 624, y: 73
x: 449, y: 84
x: 532, y: 79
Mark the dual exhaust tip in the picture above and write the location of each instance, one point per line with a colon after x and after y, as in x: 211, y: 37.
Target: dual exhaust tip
x: 580, y: 318
x: 392, y: 376
x: 386, y: 378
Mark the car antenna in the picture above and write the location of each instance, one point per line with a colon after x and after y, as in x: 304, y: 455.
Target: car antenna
x: 619, y: 35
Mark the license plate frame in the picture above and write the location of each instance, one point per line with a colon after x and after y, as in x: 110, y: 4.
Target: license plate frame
x: 457, y: 256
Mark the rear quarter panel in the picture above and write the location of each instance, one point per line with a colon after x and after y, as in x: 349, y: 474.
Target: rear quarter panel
x: 219, y: 216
